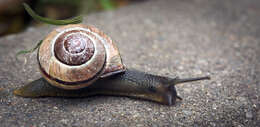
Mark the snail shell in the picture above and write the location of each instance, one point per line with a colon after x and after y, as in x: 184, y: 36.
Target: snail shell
x: 74, y: 56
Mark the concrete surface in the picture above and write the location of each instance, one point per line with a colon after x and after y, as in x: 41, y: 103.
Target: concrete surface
x: 166, y: 37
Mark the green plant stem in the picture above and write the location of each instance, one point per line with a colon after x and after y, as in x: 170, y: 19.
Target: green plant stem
x: 74, y: 20
x: 29, y: 51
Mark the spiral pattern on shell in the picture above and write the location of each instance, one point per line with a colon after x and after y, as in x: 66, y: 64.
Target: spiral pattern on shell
x: 74, y: 47
x: 74, y: 56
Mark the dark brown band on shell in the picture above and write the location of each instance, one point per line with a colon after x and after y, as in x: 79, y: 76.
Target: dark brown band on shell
x: 74, y: 47
x: 94, y: 78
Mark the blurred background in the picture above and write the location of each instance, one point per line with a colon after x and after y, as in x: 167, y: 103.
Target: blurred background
x: 14, y: 19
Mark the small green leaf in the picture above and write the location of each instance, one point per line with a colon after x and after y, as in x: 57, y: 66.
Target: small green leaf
x: 29, y: 51
x: 74, y: 20
x: 107, y: 4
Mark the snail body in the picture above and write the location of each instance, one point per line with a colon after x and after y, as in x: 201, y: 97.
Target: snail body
x: 132, y: 83
x: 81, y: 61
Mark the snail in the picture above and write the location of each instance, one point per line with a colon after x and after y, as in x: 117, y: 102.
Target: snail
x: 78, y: 60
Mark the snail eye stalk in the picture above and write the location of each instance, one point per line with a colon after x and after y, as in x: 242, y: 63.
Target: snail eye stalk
x: 179, y: 81
x: 37, y: 17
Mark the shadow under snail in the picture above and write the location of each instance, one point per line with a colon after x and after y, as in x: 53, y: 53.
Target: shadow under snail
x: 80, y: 61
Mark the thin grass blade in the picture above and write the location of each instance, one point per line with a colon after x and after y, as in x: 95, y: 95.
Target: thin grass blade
x: 37, y: 17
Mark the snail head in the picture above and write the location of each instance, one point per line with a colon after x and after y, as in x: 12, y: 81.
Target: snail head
x: 167, y: 87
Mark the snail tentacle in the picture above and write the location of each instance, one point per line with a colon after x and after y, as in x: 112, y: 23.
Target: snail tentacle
x: 179, y: 81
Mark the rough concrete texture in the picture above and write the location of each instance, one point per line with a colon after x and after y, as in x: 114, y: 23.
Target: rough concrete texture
x: 167, y: 37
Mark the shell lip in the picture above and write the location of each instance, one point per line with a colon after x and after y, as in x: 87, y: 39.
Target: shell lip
x: 122, y: 70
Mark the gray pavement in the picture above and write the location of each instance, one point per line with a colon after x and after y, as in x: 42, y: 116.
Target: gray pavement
x: 167, y: 37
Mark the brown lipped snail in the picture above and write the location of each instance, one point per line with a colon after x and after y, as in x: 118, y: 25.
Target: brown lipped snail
x: 80, y: 61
